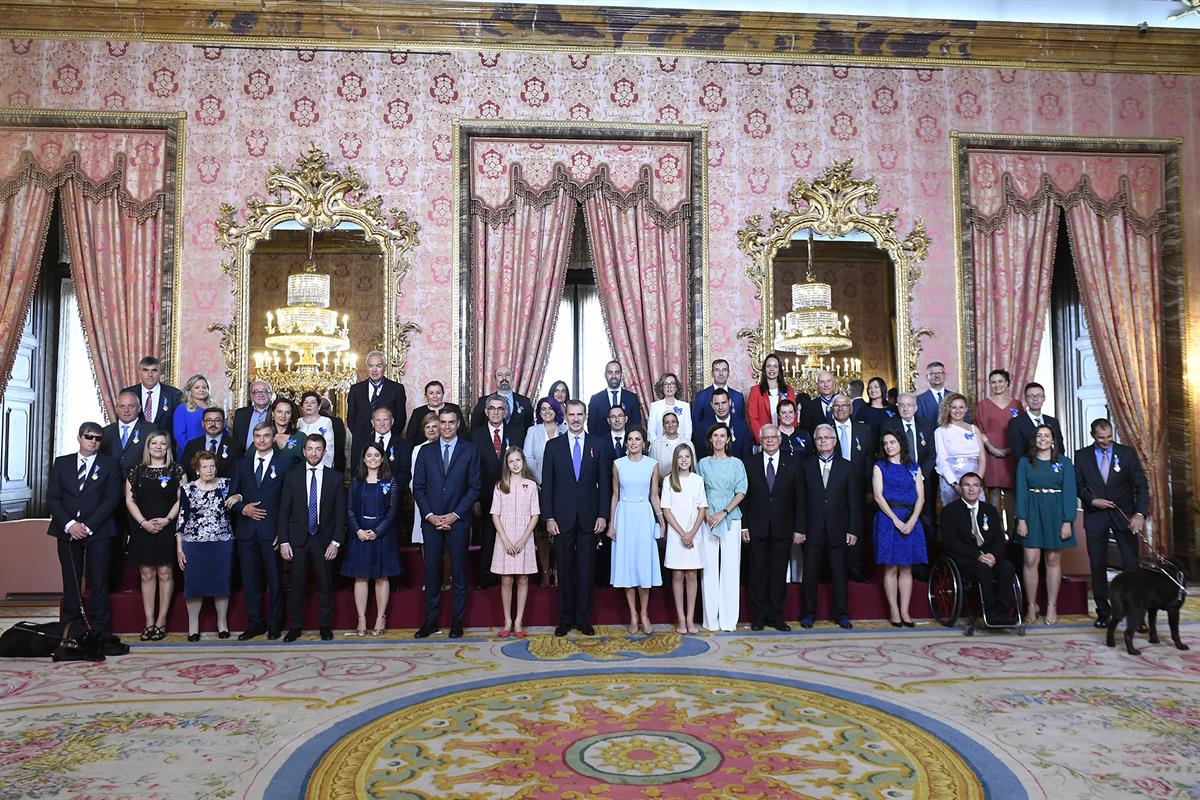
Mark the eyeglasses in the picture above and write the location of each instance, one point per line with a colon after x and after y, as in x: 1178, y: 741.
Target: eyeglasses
x: 91, y: 437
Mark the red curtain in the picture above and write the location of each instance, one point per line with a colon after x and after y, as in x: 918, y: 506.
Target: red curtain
x: 24, y: 218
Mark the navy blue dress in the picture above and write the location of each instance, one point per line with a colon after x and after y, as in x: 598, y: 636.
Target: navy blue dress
x: 372, y: 506
x: 900, y: 491
x: 207, y: 537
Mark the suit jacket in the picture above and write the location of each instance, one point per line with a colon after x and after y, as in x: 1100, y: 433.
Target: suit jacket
x: 601, y: 403
x: 926, y: 455
x: 928, y: 408
x: 959, y: 540
x: 339, y: 444
x: 359, y: 407
x: 1126, y: 486
x: 1020, y: 433
x: 331, y: 508
x: 570, y: 502
x: 94, y: 504
x: 489, y: 465
x: 241, y: 428
x: 758, y: 408
x: 702, y: 414
x: 110, y: 443
x: 777, y: 512
x: 864, y: 446
x: 268, y: 496
x: 398, y: 454
x: 226, y: 455
x: 812, y: 414
x: 519, y: 421
x: 164, y: 412
x: 437, y: 490
x: 741, y: 446
x: 415, y: 433
x: 832, y: 511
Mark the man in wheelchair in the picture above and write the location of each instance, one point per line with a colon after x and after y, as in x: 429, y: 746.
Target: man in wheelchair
x: 973, y: 533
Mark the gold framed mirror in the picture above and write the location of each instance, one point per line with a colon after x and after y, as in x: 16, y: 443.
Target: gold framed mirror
x: 316, y: 215
x: 841, y: 207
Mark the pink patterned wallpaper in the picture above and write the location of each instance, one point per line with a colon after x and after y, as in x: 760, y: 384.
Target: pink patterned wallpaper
x: 391, y: 115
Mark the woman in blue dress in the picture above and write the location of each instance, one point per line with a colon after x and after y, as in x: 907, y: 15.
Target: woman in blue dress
x: 372, y: 552
x: 185, y: 424
x: 1045, y: 516
x: 635, y: 527
x: 875, y: 411
x: 899, y: 490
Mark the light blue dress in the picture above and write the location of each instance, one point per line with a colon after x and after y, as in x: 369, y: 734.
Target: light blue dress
x: 634, y: 550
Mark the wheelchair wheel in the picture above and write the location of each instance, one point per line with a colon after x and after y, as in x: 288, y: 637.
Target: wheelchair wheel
x: 1019, y: 605
x: 945, y: 592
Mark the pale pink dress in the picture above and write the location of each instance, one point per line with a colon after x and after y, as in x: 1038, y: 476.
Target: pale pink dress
x: 515, y: 509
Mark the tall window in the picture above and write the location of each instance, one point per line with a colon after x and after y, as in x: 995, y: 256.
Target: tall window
x: 77, y: 401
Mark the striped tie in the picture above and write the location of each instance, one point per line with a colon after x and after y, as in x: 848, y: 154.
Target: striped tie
x: 312, y: 502
x: 83, y: 472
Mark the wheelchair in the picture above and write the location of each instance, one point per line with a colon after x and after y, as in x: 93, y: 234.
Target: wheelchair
x: 947, y: 590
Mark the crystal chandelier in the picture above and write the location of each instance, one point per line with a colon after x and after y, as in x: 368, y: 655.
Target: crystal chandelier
x: 307, y: 328
x: 813, y: 329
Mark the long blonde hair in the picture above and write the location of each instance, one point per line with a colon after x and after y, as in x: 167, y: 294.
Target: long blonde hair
x: 505, y: 483
x: 676, y: 482
x: 187, y: 392
x: 168, y: 459
x: 944, y: 409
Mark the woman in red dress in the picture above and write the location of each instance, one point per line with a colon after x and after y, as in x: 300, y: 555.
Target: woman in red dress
x: 992, y: 415
x: 763, y: 401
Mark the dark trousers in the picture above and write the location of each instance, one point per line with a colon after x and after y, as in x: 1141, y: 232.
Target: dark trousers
x: 816, y: 553
x: 257, y: 558
x: 575, y: 552
x: 436, y: 542
x: 1097, y: 545
x: 769, y: 558
x: 311, y: 552
x: 85, y: 559
x: 487, y: 544
x: 995, y: 583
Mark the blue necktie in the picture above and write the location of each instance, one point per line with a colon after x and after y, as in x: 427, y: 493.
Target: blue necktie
x: 508, y: 403
x: 124, y: 435
x: 577, y: 457
x: 446, y: 460
x: 312, y: 502
x: 258, y: 473
x: 212, y: 445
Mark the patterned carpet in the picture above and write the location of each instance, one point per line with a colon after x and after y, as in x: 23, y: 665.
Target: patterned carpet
x: 870, y: 713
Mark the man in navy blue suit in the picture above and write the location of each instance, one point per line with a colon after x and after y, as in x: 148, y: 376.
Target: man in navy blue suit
x: 258, y: 484
x: 576, y: 491
x: 722, y: 411
x: 85, y: 488
x: 445, y: 486
x: 157, y: 400
x: 1022, y: 426
x: 702, y: 412
x: 602, y: 402
x: 929, y: 402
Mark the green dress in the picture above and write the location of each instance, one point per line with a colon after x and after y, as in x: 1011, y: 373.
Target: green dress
x: 1052, y: 504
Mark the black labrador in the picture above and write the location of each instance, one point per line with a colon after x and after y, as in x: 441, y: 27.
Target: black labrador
x: 1141, y: 591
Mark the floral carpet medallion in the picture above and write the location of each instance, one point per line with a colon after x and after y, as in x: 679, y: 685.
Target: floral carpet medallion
x: 616, y: 734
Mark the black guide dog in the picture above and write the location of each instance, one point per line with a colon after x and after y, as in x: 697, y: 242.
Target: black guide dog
x: 1147, y: 590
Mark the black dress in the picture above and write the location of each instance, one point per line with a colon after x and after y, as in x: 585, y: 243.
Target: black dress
x: 155, y: 491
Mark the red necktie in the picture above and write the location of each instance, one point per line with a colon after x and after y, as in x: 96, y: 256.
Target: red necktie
x: 496, y: 441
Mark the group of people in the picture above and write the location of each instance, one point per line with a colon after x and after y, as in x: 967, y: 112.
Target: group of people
x: 582, y: 493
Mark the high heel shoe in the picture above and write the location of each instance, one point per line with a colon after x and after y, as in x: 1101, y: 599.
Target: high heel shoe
x: 1051, y: 614
x: 361, y: 630
x: 380, y: 625
x: 895, y: 624
x: 1031, y: 613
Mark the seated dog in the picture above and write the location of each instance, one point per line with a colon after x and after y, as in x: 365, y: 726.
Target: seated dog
x: 1143, y: 590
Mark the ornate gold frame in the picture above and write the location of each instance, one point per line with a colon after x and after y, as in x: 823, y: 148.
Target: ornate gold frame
x: 832, y: 205
x: 317, y: 198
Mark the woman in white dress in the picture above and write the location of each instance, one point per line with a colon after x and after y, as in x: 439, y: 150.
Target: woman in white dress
x: 549, y: 416
x: 671, y: 392
x: 311, y: 421
x: 683, y: 504
x: 959, y: 446
x: 662, y: 449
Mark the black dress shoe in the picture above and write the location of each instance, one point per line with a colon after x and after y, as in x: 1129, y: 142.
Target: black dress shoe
x: 251, y: 632
x: 756, y: 626
x: 782, y: 627
x: 193, y: 637
x: 562, y: 630
x: 222, y: 634
x: 456, y: 631
x: 426, y: 630
x: 586, y: 629
x: 1101, y: 622
x: 807, y: 622
x: 274, y: 633
x: 844, y: 623
x: 326, y: 634
x: 293, y: 634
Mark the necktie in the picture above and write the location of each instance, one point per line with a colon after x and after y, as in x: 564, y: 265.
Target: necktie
x: 771, y: 473
x: 939, y: 398
x: 312, y: 501
x: 1037, y: 421
x: 577, y: 457
x: 1104, y: 465
x: 83, y: 471
x: 912, y: 441
x: 616, y: 399
x: 148, y: 411
x: 212, y: 445
x: 496, y: 441
x: 975, y: 527
x: 124, y: 435
x: 825, y: 466
x: 374, y: 394
x: 844, y: 441
x: 446, y: 459
x: 258, y: 473
x: 617, y: 445
x: 508, y: 407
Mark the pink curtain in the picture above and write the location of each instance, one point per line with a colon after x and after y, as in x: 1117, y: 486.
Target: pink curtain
x: 1014, y: 263
x: 521, y: 266
x: 1118, y: 269
x: 641, y: 272
x: 24, y: 218
x: 116, y: 261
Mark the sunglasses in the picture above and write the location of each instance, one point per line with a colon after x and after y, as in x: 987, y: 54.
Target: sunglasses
x: 91, y: 437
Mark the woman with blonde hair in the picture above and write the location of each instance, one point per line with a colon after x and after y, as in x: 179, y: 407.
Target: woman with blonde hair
x: 152, y: 500
x: 186, y: 424
x: 959, y: 446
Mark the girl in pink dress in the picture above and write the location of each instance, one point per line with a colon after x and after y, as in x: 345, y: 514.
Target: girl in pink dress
x: 515, y: 512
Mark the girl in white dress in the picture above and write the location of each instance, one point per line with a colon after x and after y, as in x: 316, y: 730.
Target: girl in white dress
x: 683, y: 504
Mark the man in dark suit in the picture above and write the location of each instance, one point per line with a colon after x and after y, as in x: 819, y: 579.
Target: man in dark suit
x: 819, y: 410
x: 386, y: 434
x: 125, y: 439
x: 973, y: 533
x: 1115, y: 494
x: 917, y: 434
x: 84, y: 490
x: 854, y: 390
x: 856, y: 443
x: 258, y: 482
x: 833, y: 521
x: 445, y: 486
x: 245, y: 418
x: 614, y: 395
x: 339, y: 434
x: 576, y: 493
x: 366, y: 396
x: 491, y: 441
x: 1021, y: 427
x: 741, y: 445
x: 157, y: 400
x: 702, y: 412
x: 929, y: 402
x: 435, y: 401
x: 518, y: 409
x: 215, y: 440
x: 312, y: 528
x: 771, y: 521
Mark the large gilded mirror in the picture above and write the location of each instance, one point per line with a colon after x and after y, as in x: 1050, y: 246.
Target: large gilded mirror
x: 316, y: 272
x: 835, y: 281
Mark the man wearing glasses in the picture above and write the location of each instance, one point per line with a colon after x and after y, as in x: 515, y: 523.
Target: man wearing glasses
x: 245, y: 418
x: 85, y: 488
x: 1022, y: 426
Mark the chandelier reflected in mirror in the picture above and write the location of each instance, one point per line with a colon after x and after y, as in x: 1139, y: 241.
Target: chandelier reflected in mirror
x: 814, y: 330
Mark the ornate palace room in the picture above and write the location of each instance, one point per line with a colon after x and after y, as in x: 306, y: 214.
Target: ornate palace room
x: 810, y: 388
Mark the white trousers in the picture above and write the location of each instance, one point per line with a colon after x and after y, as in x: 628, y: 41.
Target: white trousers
x: 720, y: 584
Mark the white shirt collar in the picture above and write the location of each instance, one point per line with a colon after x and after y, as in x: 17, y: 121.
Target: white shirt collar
x: 266, y: 458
